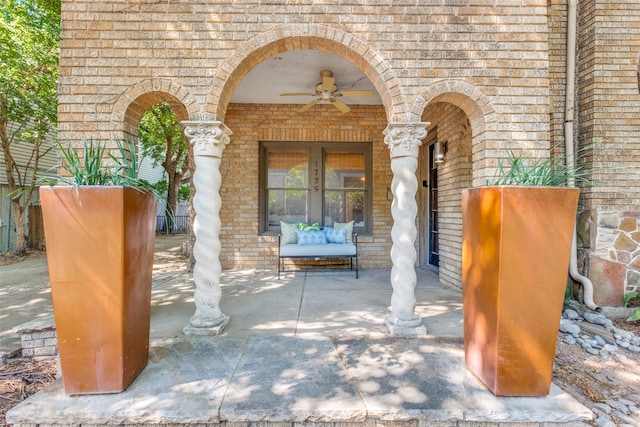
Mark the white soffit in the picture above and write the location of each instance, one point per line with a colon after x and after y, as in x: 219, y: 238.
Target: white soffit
x: 298, y: 71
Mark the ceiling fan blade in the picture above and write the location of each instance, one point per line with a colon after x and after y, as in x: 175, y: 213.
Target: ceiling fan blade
x: 341, y: 106
x: 298, y: 94
x: 349, y: 93
x: 328, y: 83
x: 309, y: 105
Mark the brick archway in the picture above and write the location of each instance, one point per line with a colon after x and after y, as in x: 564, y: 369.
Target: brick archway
x: 473, y: 102
x: 132, y: 104
x: 307, y: 36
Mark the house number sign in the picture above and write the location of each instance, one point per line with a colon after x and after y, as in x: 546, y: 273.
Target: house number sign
x: 316, y: 177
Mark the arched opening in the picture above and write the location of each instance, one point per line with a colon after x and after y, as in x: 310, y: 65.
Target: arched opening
x: 461, y: 124
x: 136, y: 109
x: 312, y: 37
x: 441, y: 181
x: 339, y: 155
x: 261, y: 119
x: 163, y: 153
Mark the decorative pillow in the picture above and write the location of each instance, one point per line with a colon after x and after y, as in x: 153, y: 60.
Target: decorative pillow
x: 304, y: 227
x: 348, y: 226
x: 311, y: 237
x: 336, y: 235
x: 288, y: 233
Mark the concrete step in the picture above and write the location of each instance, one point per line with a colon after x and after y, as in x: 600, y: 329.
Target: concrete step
x: 302, y: 381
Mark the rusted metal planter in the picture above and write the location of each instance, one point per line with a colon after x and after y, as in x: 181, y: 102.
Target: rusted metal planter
x: 100, y: 243
x: 515, y: 260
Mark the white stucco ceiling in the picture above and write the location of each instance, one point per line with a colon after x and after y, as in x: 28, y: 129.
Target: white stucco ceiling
x: 299, y: 71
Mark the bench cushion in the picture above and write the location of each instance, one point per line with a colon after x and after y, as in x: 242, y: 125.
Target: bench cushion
x: 328, y: 250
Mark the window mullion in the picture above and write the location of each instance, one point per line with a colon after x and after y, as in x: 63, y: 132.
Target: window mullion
x: 316, y: 183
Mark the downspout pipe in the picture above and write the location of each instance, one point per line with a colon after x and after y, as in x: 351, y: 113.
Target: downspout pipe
x: 569, y: 114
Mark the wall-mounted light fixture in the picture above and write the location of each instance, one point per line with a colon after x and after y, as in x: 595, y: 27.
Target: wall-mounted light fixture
x: 439, y: 150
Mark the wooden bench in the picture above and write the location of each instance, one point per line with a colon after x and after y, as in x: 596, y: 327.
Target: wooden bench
x: 317, y: 252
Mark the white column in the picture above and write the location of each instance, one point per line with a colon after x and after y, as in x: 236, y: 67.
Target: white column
x: 209, y: 139
x: 404, y: 140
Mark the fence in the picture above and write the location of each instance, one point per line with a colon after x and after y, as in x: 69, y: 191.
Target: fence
x: 181, y: 224
x: 8, y: 221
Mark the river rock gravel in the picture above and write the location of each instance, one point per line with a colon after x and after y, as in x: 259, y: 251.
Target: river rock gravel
x: 600, y: 365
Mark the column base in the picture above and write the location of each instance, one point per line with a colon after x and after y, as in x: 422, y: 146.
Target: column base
x: 404, y: 328
x: 204, y: 328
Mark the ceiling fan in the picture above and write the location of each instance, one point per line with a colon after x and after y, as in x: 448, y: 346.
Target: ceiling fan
x: 327, y: 90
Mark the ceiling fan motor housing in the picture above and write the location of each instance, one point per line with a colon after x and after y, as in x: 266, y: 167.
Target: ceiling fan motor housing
x: 328, y: 91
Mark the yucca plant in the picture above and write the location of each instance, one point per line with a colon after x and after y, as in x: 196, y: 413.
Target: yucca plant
x: 89, y: 168
x: 533, y: 171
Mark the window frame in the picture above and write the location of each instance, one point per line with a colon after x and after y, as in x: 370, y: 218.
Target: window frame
x: 316, y: 151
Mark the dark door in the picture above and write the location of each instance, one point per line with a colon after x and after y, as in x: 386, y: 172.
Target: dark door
x: 434, y: 256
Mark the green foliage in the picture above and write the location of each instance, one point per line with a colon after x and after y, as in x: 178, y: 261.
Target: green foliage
x: 528, y: 170
x: 627, y: 299
x: 89, y: 168
x: 29, y: 53
x: 184, y: 192
x: 161, y: 186
x: 30, y: 34
x: 161, y: 137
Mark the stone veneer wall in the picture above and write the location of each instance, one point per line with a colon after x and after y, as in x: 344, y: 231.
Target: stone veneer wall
x: 611, y: 254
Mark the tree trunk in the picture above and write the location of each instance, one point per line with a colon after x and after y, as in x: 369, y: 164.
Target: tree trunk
x: 21, y: 238
x: 171, y: 206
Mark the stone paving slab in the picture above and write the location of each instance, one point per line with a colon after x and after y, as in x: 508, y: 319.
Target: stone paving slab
x: 184, y: 382
x: 301, y: 381
x: 425, y: 378
x: 291, y: 379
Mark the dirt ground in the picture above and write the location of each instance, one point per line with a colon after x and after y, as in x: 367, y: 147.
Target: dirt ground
x: 7, y: 258
x: 588, y: 378
x: 20, y: 378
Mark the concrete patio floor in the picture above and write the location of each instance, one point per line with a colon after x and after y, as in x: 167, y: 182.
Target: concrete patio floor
x: 311, y: 348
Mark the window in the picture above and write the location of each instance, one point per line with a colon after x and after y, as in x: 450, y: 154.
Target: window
x: 315, y: 182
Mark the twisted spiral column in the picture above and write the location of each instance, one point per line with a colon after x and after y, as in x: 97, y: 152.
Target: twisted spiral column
x: 404, y: 140
x: 209, y: 139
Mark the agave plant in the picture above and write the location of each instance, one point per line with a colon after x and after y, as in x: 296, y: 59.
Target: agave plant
x: 89, y: 168
x: 533, y: 171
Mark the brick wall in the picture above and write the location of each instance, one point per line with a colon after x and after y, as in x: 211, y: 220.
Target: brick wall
x: 608, y: 130
x: 608, y: 101
x: 251, y: 124
x: 39, y: 344
x: 557, y: 72
x: 114, y: 52
x: 487, y: 62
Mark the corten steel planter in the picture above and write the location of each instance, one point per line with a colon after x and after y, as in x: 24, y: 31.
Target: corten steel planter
x: 515, y: 260
x: 100, y: 243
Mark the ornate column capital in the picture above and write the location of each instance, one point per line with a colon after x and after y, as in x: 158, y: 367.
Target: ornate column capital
x: 209, y: 138
x: 405, y: 138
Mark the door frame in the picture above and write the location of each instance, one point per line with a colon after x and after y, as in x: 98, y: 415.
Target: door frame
x: 425, y: 162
